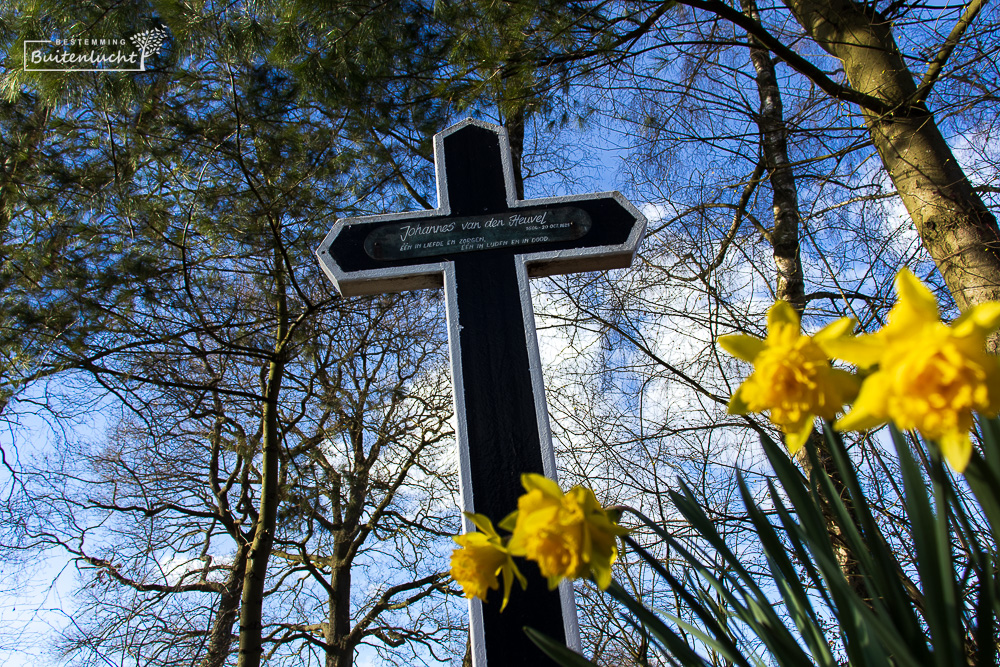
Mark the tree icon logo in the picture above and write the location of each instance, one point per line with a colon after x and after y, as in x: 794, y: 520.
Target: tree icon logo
x: 148, y: 42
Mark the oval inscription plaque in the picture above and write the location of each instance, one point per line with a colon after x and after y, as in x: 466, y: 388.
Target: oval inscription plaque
x: 444, y: 236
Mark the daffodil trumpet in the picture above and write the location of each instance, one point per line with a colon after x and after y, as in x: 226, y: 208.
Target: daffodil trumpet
x: 792, y: 378
x: 569, y: 535
x: 481, y: 559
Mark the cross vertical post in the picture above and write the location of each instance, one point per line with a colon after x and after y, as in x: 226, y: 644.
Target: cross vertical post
x: 482, y: 244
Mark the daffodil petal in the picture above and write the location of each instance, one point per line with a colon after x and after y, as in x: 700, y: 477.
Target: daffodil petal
x: 741, y: 346
x: 862, y: 351
x: 834, y: 330
x: 956, y: 449
x: 509, y: 521
x: 600, y: 570
x: 509, y: 572
x: 781, y: 313
x: 982, y: 319
x: 507, y: 583
x: 483, y: 523
x: 916, y: 305
x: 471, y: 539
x: 531, y: 481
x: 858, y: 420
x: 795, y: 440
x: 869, y: 410
x: 520, y: 577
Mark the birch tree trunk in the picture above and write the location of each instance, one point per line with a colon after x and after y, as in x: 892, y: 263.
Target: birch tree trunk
x: 784, y: 198
x: 790, y: 285
x: 956, y: 228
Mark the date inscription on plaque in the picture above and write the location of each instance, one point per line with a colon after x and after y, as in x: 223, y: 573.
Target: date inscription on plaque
x: 443, y: 236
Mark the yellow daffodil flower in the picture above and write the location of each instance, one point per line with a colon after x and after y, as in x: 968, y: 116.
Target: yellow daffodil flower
x: 930, y: 377
x: 569, y: 535
x: 792, y: 376
x: 480, y: 559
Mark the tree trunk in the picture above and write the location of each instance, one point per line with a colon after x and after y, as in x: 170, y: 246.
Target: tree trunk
x: 784, y: 197
x: 790, y: 285
x: 467, y: 658
x: 221, y: 636
x: 846, y: 559
x: 514, y: 124
x: 956, y: 228
x: 339, y: 651
x: 251, y: 607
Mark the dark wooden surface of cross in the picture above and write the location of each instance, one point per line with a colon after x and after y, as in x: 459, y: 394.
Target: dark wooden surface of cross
x: 482, y: 244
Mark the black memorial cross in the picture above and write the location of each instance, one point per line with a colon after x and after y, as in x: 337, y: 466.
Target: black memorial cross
x: 482, y: 244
